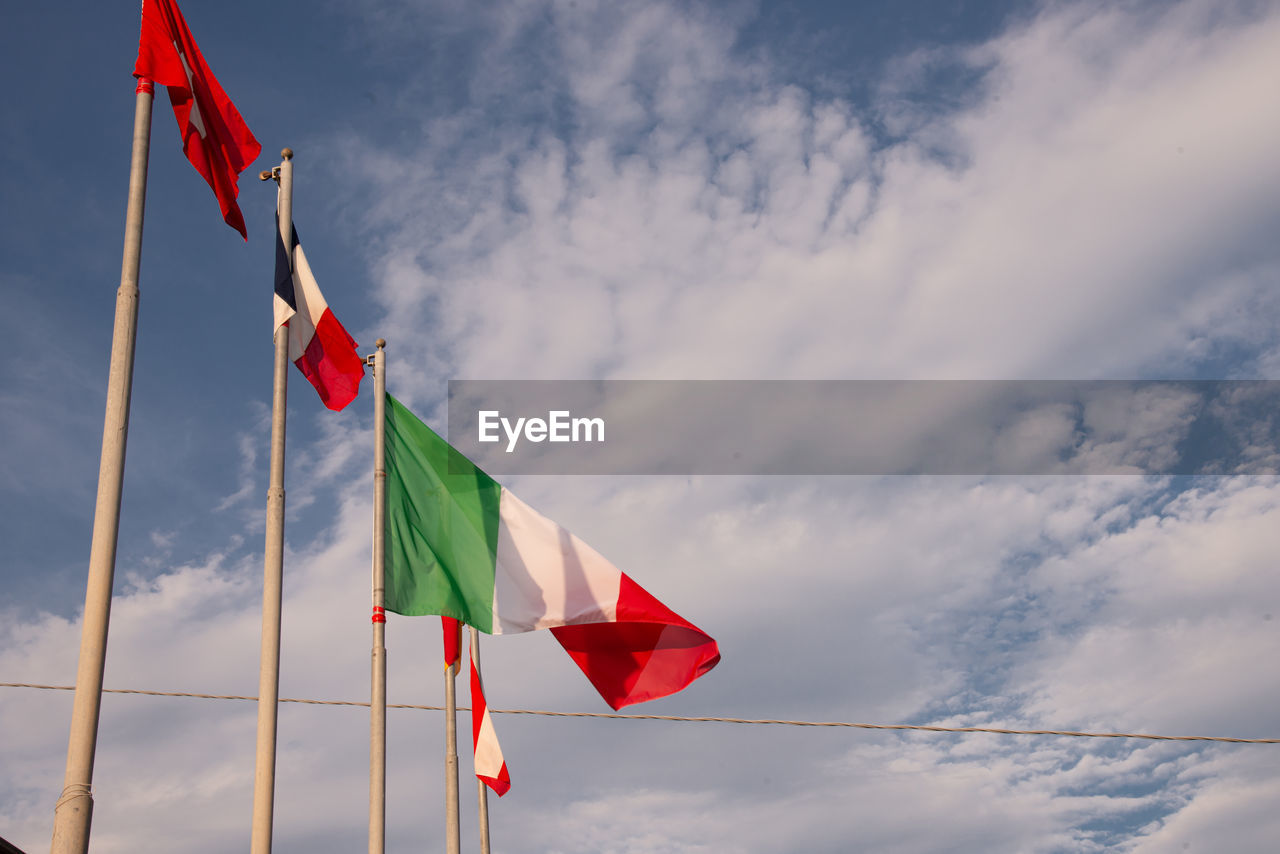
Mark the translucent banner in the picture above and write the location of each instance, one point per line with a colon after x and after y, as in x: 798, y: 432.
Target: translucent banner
x: 859, y: 427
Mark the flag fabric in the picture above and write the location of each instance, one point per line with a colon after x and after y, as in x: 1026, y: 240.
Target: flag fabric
x: 490, y: 767
x: 318, y: 344
x: 215, y: 139
x: 452, y: 641
x: 461, y: 545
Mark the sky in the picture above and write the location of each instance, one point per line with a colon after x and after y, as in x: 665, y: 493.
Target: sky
x: 566, y: 189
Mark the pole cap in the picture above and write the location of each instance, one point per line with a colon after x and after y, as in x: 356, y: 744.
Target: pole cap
x: 380, y: 343
x: 286, y: 153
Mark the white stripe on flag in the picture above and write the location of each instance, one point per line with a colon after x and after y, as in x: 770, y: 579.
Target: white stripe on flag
x: 311, y: 305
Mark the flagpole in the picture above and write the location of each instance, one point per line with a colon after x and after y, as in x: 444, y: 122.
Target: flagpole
x: 74, y: 810
x: 453, y: 843
x: 481, y: 788
x: 378, y: 692
x: 264, y: 776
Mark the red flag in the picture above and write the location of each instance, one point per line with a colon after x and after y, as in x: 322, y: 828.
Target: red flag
x: 214, y: 137
x: 452, y: 640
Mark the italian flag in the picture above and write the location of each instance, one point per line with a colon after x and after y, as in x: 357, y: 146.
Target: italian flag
x: 460, y: 545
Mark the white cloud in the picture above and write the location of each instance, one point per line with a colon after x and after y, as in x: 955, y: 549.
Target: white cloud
x: 830, y: 600
x: 247, y: 476
x: 1056, y: 237
x: 1229, y: 811
x: 1181, y: 616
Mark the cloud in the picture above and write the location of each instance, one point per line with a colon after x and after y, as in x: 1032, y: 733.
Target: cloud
x: 1228, y: 811
x: 899, y: 599
x: 1183, y: 618
x: 1040, y: 229
x: 248, y: 470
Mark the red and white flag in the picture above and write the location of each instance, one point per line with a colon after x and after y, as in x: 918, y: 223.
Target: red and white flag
x: 214, y: 137
x: 318, y: 344
x: 491, y: 768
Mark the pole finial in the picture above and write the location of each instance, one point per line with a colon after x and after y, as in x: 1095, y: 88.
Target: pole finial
x: 380, y: 343
x: 286, y: 153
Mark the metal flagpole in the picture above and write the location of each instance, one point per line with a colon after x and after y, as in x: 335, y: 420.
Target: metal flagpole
x: 74, y: 810
x: 264, y: 776
x: 378, y: 692
x: 452, y: 840
x: 482, y: 789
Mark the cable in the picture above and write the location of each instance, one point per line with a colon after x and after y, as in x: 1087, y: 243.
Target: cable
x: 755, y: 721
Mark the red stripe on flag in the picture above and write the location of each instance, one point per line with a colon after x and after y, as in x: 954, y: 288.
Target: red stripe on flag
x: 500, y: 785
x: 331, y: 364
x: 650, y: 652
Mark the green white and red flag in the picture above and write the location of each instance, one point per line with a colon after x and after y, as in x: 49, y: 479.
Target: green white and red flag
x: 460, y: 545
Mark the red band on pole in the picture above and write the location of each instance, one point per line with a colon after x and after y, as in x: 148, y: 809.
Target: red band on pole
x: 145, y: 85
x: 379, y: 615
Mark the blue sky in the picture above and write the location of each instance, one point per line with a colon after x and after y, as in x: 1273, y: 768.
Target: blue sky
x: 581, y: 190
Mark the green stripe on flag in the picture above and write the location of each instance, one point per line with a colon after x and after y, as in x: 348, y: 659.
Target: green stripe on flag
x: 442, y: 528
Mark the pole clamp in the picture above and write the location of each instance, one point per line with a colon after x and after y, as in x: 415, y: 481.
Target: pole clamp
x: 73, y: 792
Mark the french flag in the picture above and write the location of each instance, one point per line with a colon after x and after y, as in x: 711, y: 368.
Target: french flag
x: 318, y: 344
